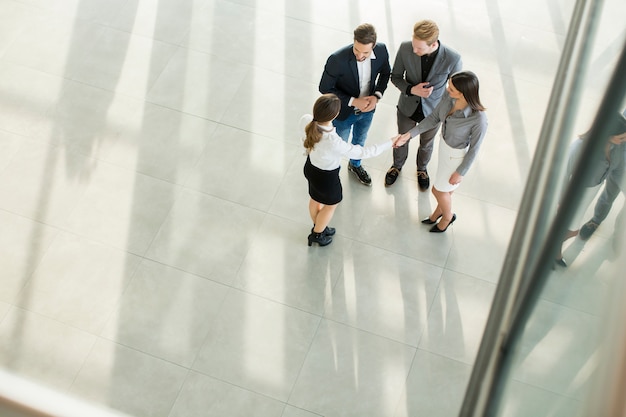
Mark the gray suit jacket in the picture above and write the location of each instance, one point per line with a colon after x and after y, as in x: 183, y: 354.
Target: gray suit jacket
x: 407, y: 72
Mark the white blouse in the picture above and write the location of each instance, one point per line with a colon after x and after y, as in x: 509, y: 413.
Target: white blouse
x: 329, y: 151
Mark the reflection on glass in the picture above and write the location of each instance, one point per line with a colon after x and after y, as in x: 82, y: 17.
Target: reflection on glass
x: 556, y: 359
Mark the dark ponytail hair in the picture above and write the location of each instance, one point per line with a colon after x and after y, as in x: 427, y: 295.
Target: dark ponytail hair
x: 467, y: 84
x: 325, y: 109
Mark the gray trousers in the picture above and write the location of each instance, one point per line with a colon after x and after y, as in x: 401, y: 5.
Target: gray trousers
x: 425, y: 150
x: 606, y: 199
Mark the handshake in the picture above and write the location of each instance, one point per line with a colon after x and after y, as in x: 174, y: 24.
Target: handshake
x: 400, y: 140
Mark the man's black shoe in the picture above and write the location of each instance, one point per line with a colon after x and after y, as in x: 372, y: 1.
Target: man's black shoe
x: 361, y: 174
x: 423, y: 180
x: 391, y: 176
x: 587, y: 230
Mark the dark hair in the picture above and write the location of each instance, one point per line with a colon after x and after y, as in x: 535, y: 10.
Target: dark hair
x: 325, y: 109
x: 467, y: 84
x: 365, y: 34
x: 617, y: 126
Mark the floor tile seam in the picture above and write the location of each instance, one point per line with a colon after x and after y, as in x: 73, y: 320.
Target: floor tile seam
x: 446, y: 357
x: 114, y: 92
x: 221, y: 198
x: 61, y: 77
x: 163, y: 221
x: 82, y: 365
x: 392, y: 252
x: 45, y: 189
x: 65, y: 77
x: 114, y: 306
x: 63, y: 228
x: 406, y: 384
x: 370, y: 332
x: 178, y: 393
x: 19, y: 134
x: 279, y: 187
x: 313, y: 413
x: 111, y: 27
x: 164, y: 67
x: 250, y: 66
x: 436, y: 294
x: 112, y: 164
x: 31, y: 219
x: 264, y: 213
x: 570, y: 396
x: 220, y: 124
x: 305, y: 224
x: 53, y: 319
x: 194, y: 362
x: 319, y: 316
x: 142, y: 352
x: 305, y: 356
x: 184, y: 271
x: 566, y: 307
x: 124, y: 249
x: 466, y: 274
x: 233, y: 384
x: 52, y: 13
x: 209, y: 327
x: 30, y: 264
x: 131, y: 33
x: 21, y: 32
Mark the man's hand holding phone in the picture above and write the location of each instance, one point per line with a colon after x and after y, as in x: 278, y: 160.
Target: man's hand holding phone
x: 422, y: 89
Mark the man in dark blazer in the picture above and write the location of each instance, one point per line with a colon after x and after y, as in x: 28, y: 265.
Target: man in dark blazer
x: 358, y: 74
x: 420, y: 71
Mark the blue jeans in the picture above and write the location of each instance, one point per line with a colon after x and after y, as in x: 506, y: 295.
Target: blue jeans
x: 359, y: 124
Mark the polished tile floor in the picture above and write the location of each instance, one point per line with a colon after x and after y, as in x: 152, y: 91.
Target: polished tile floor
x: 153, y: 211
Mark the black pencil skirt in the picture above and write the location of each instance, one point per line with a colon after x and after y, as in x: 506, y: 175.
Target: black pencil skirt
x: 324, y: 186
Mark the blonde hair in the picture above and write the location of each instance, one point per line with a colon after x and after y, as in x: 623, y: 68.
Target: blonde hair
x: 427, y: 31
x: 325, y: 109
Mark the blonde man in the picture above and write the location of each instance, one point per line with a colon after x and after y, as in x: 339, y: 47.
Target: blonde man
x: 420, y: 71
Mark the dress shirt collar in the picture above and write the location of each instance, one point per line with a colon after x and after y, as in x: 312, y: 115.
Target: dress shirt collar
x: 326, y: 128
x: 466, y: 111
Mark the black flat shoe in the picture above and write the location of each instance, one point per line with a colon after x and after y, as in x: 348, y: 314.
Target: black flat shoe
x: 436, y: 229
x: 428, y: 221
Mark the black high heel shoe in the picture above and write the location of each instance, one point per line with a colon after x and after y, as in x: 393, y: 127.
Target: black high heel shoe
x: 328, y: 231
x: 319, y: 238
x: 428, y: 221
x: 435, y: 229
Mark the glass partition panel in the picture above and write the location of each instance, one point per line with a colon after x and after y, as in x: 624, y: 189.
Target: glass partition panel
x: 552, y: 334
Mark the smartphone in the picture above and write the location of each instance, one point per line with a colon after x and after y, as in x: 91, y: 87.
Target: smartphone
x: 426, y: 85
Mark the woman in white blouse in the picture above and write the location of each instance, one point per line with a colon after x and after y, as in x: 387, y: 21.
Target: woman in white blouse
x: 325, y: 149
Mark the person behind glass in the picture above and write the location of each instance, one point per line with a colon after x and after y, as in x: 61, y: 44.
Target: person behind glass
x: 614, y: 180
x: 420, y: 71
x: 324, y: 149
x: 608, y: 168
x: 358, y: 74
x: 464, y: 125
